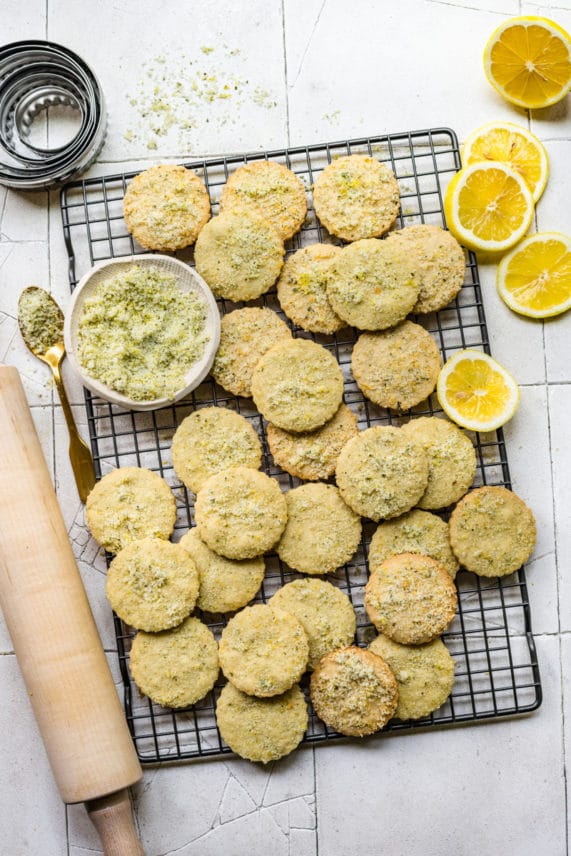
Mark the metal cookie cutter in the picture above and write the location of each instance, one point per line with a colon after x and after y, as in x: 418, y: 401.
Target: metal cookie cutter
x: 35, y: 76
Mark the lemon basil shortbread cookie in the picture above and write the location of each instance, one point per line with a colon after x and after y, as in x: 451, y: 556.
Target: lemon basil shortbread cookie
x: 212, y: 439
x: 165, y: 207
x: 325, y: 612
x: 356, y: 196
x: 396, y: 368
x: 372, y: 285
x: 240, y: 513
x: 382, y: 472
x: 297, y: 385
x: 492, y: 531
x: 152, y: 584
x: 302, y: 289
x: 451, y: 460
x: 439, y: 263
x: 261, y: 729
x: 321, y: 533
x: 239, y: 255
x: 225, y: 584
x: 313, y: 455
x: 263, y: 650
x: 177, y: 667
x: 270, y: 190
x: 414, y: 532
x: 127, y: 504
x: 410, y: 598
x: 424, y: 674
x: 245, y: 336
x: 354, y: 691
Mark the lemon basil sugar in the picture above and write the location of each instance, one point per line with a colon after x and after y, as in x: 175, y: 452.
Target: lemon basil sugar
x: 41, y: 319
x: 139, y: 333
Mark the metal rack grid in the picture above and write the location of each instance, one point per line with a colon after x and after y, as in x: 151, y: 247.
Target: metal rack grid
x: 490, y: 639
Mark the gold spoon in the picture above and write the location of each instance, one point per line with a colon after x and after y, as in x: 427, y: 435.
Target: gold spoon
x: 41, y: 325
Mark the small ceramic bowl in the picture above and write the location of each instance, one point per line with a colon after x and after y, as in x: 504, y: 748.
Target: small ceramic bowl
x: 187, y: 279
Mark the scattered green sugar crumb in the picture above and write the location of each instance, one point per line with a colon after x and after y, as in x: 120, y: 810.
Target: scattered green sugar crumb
x: 40, y: 319
x: 140, y: 334
x: 206, y: 50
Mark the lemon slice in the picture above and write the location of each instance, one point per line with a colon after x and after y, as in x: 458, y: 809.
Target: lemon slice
x: 513, y: 145
x: 527, y: 59
x: 476, y: 392
x: 488, y: 206
x: 535, y: 278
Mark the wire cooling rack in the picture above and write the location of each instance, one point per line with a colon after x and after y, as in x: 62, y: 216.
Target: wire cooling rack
x: 490, y: 639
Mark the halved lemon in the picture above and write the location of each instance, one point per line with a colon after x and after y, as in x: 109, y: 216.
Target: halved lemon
x: 535, y: 278
x: 513, y: 145
x: 527, y: 59
x: 488, y: 206
x: 476, y: 392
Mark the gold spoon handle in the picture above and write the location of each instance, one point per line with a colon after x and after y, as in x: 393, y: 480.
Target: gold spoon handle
x: 79, y: 453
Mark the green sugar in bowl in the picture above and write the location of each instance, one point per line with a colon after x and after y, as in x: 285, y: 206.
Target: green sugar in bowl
x: 142, y: 331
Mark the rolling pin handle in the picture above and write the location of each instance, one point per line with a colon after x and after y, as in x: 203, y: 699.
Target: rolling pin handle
x: 113, y: 819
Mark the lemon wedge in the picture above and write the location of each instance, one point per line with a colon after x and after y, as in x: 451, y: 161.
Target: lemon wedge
x: 476, y: 392
x: 534, y: 279
x: 513, y: 145
x: 488, y: 206
x: 527, y: 59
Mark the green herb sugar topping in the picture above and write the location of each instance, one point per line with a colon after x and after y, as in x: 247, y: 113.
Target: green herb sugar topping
x: 40, y: 318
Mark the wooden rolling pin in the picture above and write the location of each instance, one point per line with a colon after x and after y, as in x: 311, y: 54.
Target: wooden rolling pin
x: 55, y: 638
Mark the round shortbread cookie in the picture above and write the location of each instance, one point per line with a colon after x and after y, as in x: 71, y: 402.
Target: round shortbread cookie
x: 245, y: 336
x: 270, y: 190
x: 353, y: 691
x: 302, y: 289
x: 325, y: 612
x: 239, y: 255
x: 262, y: 729
x: 424, y: 674
x: 410, y: 598
x: 439, y: 263
x: 451, y: 460
x: 356, y: 196
x: 225, y: 584
x: 152, y: 584
x: 129, y: 503
x: 321, y: 533
x: 165, y: 207
x: 382, y: 472
x: 415, y: 532
x: 313, y: 456
x: 177, y: 667
x: 372, y: 285
x: 212, y: 439
x: 396, y: 368
x: 297, y: 385
x: 240, y: 513
x: 492, y: 531
x: 263, y: 651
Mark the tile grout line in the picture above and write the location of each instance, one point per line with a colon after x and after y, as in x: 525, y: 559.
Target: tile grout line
x: 285, y: 74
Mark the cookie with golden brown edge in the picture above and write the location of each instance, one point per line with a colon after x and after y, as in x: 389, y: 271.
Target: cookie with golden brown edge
x: 240, y: 513
x: 492, y: 531
x: 414, y: 532
x: 263, y: 650
x: 356, y: 196
x: 302, y: 289
x: 176, y: 667
x: 297, y: 385
x: 353, y: 691
x: 271, y: 191
x: 239, y: 255
x: 396, y: 368
x: 411, y: 599
x: 245, y: 336
x: 313, y: 455
x: 381, y: 472
x: 261, y: 729
x: 212, y: 439
x: 165, y: 207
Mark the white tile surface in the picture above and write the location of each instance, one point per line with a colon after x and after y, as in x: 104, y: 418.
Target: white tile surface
x: 301, y: 72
